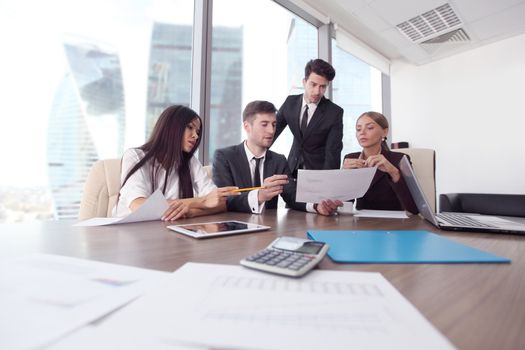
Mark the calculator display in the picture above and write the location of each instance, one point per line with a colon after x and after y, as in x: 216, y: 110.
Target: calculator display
x: 307, y: 247
x: 310, y: 247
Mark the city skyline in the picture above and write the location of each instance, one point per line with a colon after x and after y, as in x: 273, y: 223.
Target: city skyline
x: 247, y: 64
x: 86, y: 122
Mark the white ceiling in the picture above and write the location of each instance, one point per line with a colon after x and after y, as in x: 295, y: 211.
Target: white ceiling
x: 374, y: 22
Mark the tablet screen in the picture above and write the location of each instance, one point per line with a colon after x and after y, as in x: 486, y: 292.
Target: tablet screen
x: 214, y: 227
x: 217, y: 228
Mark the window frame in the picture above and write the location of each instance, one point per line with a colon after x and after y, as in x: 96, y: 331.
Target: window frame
x: 201, y: 60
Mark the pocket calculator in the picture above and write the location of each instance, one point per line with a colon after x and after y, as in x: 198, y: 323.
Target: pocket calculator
x: 290, y: 256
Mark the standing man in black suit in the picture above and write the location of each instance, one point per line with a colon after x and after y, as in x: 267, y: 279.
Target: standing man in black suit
x: 315, y: 122
x: 251, y: 164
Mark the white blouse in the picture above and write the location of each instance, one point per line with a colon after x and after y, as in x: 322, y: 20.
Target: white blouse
x: 139, y: 184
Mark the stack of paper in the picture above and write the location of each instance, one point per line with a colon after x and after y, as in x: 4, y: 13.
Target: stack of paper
x: 44, y: 297
x: 230, y: 307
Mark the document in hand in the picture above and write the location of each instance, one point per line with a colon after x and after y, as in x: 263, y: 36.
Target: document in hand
x: 152, y: 209
x: 387, y: 214
x: 315, y: 185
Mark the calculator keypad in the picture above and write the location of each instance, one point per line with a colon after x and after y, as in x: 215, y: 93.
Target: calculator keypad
x: 281, y: 258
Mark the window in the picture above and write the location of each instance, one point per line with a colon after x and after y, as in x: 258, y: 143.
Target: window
x: 357, y: 89
x: 89, y: 80
x: 259, y: 51
x: 85, y: 80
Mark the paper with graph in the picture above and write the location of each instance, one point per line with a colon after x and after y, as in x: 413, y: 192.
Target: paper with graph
x: 232, y: 307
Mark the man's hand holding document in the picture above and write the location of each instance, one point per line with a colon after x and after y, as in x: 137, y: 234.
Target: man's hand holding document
x: 313, y: 186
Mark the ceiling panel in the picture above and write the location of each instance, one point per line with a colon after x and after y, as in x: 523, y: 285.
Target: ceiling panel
x: 394, y: 37
x: 504, y: 24
x: 374, y: 22
x: 416, y: 54
x: 472, y: 10
x: 370, y: 19
x: 395, y: 12
x: 351, y: 5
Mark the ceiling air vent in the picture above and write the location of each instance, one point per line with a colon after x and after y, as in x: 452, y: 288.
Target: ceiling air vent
x: 431, y: 24
x: 455, y: 36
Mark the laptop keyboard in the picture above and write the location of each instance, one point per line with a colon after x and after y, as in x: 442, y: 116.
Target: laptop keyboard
x: 461, y: 220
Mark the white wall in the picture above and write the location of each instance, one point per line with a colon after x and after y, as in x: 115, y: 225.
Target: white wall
x: 470, y: 108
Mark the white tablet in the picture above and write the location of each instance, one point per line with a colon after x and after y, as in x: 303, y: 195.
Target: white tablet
x: 217, y: 228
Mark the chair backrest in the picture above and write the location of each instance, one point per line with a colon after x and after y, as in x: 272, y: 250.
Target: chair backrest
x: 209, y: 170
x: 483, y: 203
x: 424, y: 164
x: 101, y: 189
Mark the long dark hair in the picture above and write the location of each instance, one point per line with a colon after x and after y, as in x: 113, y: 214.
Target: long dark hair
x: 381, y: 121
x: 164, y: 148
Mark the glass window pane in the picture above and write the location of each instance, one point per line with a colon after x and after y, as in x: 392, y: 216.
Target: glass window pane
x: 83, y: 83
x: 357, y: 89
x: 254, y: 58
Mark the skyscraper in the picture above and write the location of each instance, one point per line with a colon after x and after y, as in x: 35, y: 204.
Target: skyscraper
x: 86, y: 123
x: 169, y: 79
x: 353, y: 93
x: 302, y: 47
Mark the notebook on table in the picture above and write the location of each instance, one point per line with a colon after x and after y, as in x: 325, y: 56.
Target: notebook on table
x: 455, y: 221
x: 399, y: 247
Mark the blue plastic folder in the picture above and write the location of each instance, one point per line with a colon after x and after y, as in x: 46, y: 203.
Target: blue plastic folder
x: 399, y: 247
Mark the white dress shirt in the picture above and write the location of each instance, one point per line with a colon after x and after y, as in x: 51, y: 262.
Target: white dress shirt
x: 139, y: 184
x: 253, y: 199
x: 311, y: 110
x: 253, y: 196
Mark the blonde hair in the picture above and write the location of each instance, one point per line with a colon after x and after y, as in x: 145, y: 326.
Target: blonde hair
x: 381, y: 121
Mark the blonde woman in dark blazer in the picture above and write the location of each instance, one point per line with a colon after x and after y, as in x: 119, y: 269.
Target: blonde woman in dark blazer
x: 388, y: 190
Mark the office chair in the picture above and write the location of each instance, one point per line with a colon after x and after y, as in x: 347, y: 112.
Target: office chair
x: 424, y: 164
x: 209, y: 170
x: 483, y: 203
x: 101, y: 189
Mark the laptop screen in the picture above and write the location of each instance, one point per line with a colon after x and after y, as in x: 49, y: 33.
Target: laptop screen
x: 415, y: 190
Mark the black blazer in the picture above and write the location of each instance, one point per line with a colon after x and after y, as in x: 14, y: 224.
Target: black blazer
x: 323, y: 140
x: 231, y: 168
x: 383, y: 194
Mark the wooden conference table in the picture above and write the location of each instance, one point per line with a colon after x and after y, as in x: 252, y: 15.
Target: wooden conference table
x: 476, y: 306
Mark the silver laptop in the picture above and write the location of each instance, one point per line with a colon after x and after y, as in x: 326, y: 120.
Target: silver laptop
x: 455, y: 221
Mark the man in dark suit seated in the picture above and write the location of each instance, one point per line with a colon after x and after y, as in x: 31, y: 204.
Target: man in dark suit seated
x: 315, y: 122
x: 251, y: 164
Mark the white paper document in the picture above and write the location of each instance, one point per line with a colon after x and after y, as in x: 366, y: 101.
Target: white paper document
x: 152, y: 209
x: 100, y: 338
x: 388, y: 214
x: 315, y: 185
x: 44, y: 297
x: 231, y: 307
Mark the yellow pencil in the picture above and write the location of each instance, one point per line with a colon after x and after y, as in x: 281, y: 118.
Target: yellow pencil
x: 248, y: 189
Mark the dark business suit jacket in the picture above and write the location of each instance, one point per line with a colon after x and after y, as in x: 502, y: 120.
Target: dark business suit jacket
x: 321, y: 146
x: 383, y: 194
x: 231, y: 168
